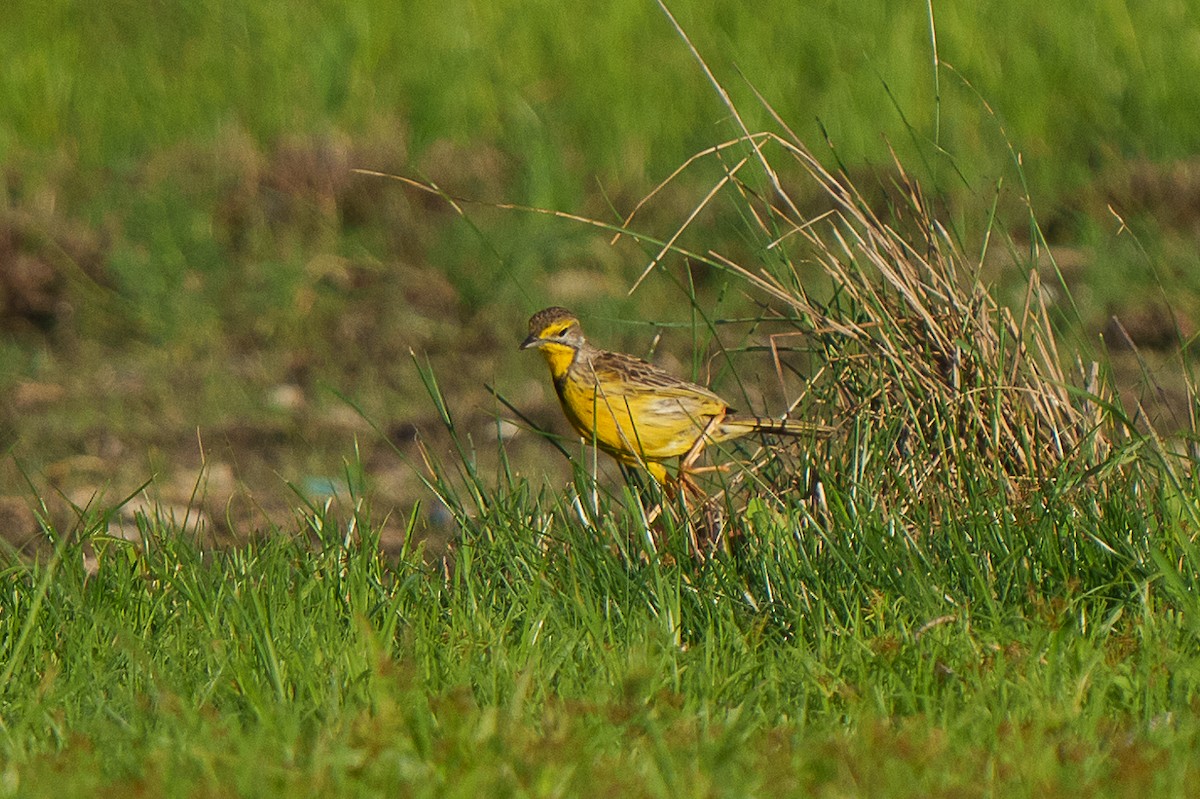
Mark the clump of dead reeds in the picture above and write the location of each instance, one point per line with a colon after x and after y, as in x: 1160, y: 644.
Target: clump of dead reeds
x: 909, y: 337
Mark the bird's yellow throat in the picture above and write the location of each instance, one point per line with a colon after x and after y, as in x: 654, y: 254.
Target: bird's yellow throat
x: 559, y: 357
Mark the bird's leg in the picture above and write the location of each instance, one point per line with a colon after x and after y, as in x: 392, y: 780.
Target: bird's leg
x: 720, y: 467
x: 688, y: 485
x: 683, y: 482
x: 673, y: 488
x: 686, y: 463
x: 659, y: 474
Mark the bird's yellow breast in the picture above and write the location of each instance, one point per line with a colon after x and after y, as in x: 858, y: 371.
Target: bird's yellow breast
x: 632, y: 427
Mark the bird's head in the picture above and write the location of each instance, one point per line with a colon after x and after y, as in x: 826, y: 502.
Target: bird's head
x: 553, y: 327
x: 556, y: 332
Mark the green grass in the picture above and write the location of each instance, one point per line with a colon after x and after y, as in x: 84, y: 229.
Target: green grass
x: 116, y: 85
x: 1036, y: 651
x: 983, y: 584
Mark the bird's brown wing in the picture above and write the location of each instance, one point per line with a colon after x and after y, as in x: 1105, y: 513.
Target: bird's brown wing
x: 625, y: 375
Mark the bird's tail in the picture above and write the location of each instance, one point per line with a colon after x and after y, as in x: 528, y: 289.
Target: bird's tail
x: 735, y: 427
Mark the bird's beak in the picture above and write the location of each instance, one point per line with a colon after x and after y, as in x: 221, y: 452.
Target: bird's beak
x: 532, y: 341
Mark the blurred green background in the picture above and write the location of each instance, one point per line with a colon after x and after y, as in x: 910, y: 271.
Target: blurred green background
x: 196, y: 288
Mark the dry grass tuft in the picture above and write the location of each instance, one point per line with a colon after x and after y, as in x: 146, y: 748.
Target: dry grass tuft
x: 911, y: 348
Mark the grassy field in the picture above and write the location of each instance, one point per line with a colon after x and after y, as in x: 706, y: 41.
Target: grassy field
x: 1072, y: 87
x: 1024, y: 658
x: 285, y: 515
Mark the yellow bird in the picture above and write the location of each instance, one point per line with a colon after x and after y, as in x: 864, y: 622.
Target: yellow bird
x: 634, y: 411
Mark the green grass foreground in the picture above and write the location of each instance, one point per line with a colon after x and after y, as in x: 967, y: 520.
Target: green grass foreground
x: 565, y: 649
